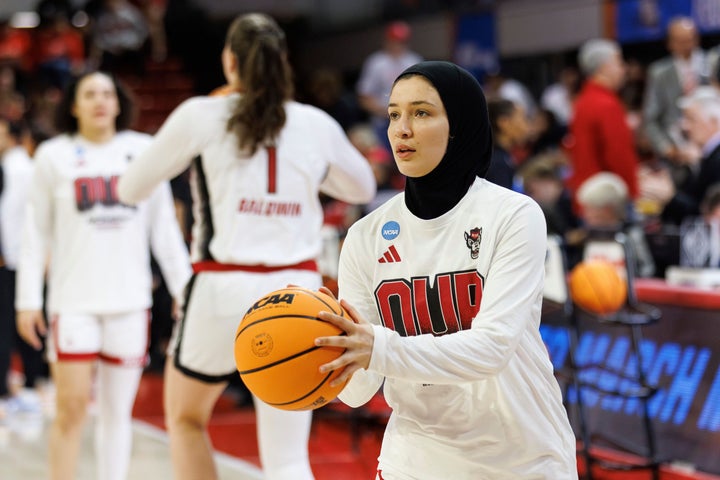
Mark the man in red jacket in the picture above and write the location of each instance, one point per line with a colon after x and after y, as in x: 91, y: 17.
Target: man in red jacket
x: 600, y: 138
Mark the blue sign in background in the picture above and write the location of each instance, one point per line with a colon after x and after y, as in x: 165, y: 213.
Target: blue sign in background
x: 681, y: 356
x: 475, y: 44
x: 647, y: 20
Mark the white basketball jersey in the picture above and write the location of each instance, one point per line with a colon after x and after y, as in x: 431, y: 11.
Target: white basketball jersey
x: 260, y: 209
x: 99, y: 247
x: 456, y: 304
x: 17, y: 174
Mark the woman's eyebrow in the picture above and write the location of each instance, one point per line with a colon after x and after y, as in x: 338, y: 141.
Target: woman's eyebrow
x: 415, y: 103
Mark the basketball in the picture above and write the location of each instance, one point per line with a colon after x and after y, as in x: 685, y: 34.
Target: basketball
x: 275, y: 349
x: 596, y: 287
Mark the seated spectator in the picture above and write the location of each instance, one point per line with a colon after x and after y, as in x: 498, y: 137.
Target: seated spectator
x: 701, y: 122
x: 700, y: 235
x: 58, y: 49
x: 326, y: 90
x: 12, y: 102
x: 710, y: 206
x: 42, y: 105
x: 510, y: 130
x: 119, y: 34
x: 499, y: 84
x: 604, y: 205
x: 543, y: 182
x: 558, y: 97
x: 15, y: 46
x: 548, y: 133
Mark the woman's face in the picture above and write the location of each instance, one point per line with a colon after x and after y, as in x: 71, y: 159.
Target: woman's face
x: 96, y: 103
x: 419, y: 129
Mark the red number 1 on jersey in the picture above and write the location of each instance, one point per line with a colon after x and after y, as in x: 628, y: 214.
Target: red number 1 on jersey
x: 272, y: 170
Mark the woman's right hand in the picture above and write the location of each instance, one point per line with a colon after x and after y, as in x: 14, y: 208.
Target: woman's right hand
x: 357, y: 341
x: 30, y: 325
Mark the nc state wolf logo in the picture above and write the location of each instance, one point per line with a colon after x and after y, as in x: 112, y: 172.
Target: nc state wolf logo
x: 472, y: 240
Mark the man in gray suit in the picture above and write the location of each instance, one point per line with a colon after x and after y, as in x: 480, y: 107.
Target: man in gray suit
x: 669, y: 79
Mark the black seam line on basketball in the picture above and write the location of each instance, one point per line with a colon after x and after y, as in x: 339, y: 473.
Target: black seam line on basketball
x: 266, y: 319
x: 310, y: 292
x: 286, y: 359
x: 304, y: 396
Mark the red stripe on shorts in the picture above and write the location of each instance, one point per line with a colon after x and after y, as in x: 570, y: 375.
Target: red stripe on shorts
x: 76, y: 357
x: 124, y: 362
x: 213, y: 266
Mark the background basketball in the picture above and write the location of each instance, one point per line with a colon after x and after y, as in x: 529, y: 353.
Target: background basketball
x: 275, y: 350
x: 596, y: 287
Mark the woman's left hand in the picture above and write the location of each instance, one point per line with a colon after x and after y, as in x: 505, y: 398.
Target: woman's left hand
x: 357, y: 342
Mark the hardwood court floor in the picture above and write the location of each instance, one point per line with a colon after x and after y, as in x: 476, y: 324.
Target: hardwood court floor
x: 340, y: 449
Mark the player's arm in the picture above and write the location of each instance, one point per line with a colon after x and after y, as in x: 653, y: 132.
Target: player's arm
x: 354, y: 284
x: 169, y: 154
x: 34, y: 251
x: 350, y: 177
x: 166, y: 241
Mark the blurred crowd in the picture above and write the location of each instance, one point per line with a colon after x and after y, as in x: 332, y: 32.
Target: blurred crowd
x: 611, y: 145
x: 36, y: 63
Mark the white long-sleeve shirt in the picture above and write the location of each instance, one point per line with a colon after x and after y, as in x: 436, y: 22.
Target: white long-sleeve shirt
x: 17, y: 175
x: 260, y: 209
x: 99, y: 248
x: 455, y: 302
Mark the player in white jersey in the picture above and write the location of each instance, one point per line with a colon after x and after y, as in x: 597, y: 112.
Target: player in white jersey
x: 258, y: 162
x: 15, y: 175
x: 446, y: 282
x: 99, y: 276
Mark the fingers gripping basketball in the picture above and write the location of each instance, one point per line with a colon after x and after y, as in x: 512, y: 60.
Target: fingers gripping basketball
x: 275, y: 349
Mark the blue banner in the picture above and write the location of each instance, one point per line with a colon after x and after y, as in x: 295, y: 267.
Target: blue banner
x: 647, y: 20
x: 681, y: 355
x: 475, y: 45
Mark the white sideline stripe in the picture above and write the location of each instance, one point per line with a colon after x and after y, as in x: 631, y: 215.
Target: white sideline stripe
x: 246, y: 468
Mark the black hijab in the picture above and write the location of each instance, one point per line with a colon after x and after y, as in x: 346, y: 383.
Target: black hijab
x: 470, y: 146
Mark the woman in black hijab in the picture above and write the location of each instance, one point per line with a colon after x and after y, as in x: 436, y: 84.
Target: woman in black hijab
x: 443, y: 284
x: 469, y: 147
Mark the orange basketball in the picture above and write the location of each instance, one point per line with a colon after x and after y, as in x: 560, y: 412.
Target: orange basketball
x: 596, y: 287
x: 275, y: 349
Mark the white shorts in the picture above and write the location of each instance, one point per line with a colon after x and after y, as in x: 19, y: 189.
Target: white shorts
x: 204, y: 340
x: 120, y: 339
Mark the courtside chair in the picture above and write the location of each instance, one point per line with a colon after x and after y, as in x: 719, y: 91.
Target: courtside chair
x: 632, y: 317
